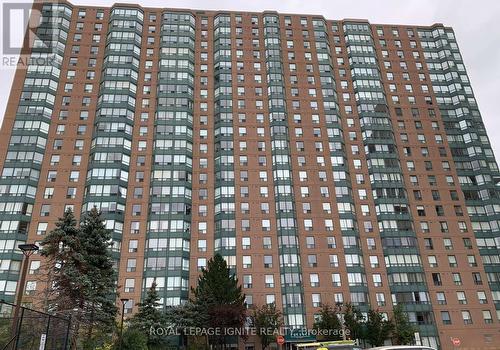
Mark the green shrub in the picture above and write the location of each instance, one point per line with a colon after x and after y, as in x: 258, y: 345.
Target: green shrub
x: 133, y: 339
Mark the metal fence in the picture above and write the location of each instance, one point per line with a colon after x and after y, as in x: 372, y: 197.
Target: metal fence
x: 34, y: 330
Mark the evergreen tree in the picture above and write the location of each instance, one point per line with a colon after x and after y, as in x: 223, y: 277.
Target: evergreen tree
x: 403, y: 332
x: 329, y: 323
x: 219, y: 297
x: 82, y: 276
x: 99, y: 307
x: 377, y: 329
x: 266, y: 318
x: 64, y: 265
x: 353, y: 322
x: 148, y: 317
x: 59, y: 243
x: 64, y: 262
x: 188, y: 315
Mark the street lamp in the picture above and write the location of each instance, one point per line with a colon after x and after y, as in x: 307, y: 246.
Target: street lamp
x: 28, y: 250
x: 124, y: 302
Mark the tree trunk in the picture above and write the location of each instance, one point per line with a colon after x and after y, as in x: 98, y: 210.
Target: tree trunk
x: 91, y: 323
x: 74, y: 337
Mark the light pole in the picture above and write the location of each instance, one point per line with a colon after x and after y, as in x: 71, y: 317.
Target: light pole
x: 28, y: 250
x: 124, y: 301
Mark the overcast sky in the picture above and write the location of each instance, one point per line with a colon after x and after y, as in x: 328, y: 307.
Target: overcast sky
x: 476, y: 24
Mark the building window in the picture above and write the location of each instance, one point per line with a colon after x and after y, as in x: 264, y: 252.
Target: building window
x: 247, y: 261
x: 202, y: 245
x: 74, y: 176
x: 487, y: 316
x: 129, y: 285
x: 34, y: 268
x: 247, y: 282
x: 268, y: 261
x: 45, y: 210
x: 441, y: 298
x: 266, y: 243
x: 71, y: 193
x: 269, y: 281
x: 132, y: 246
x: 314, y: 279
x: 131, y: 265
x: 466, y: 317
x: 445, y: 317
x: 42, y: 228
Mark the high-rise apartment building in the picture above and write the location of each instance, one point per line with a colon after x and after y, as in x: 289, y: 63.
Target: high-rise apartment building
x: 328, y: 161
